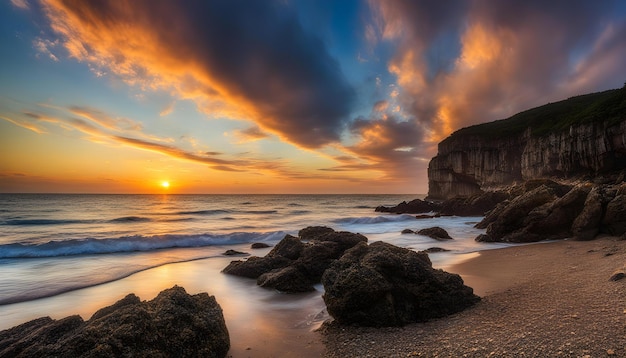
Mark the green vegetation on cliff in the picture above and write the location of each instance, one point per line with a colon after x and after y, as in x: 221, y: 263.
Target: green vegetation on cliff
x: 608, y: 106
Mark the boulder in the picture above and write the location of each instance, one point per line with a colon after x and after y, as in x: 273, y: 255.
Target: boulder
x: 385, y: 285
x: 554, y: 220
x: 614, y: 221
x: 416, y: 206
x: 296, y: 266
x: 587, y: 224
x: 436, y: 233
x: 511, y: 218
x: 174, y: 324
x: 407, y: 231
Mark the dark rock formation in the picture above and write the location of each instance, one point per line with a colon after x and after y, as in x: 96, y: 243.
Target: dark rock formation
x: 416, y: 206
x: 296, y: 264
x: 548, y: 212
x: 436, y: 233
x: 407, y: 231
x: 234, y: 253
x: 474, y: 205
x: 384, y: 285
x: 581, y: 137
x: 174, y: 324
x: 431, y: 250
x: 259, y: 245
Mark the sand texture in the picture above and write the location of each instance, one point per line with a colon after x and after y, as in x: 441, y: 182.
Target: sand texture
x: 544, y: 300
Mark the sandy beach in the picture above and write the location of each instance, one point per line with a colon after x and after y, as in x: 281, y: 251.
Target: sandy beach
x: 544, y: 300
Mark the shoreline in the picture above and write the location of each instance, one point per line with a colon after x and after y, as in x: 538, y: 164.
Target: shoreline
x: 542, y: 300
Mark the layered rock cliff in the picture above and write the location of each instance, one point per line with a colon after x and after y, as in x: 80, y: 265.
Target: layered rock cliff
x: 582, y: 137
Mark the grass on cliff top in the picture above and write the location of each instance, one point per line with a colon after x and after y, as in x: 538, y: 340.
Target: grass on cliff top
x: 608, y: 106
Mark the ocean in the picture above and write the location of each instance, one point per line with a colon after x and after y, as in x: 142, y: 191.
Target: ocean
x: 73, y: 254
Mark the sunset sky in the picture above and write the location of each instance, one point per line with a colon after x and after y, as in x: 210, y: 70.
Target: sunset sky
x: 282, y: 96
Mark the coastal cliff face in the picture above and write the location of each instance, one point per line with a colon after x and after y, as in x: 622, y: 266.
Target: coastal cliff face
x: 485, y: 157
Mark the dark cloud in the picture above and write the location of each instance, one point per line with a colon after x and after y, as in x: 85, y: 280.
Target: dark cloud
x: 252, y: 54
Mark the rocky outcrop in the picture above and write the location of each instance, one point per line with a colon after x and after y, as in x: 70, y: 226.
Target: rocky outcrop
x: 416, y: 206
x: 582, y: 137
x: 384, y: 285
x: 295, y: 264
x: 174, y: 324
x: 551, y: 212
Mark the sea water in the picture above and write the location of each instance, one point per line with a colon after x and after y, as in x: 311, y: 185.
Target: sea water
x: 72, y: 254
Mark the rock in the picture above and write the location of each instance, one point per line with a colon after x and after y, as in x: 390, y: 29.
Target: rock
x: 511, y: 218
x: 416, y: 206
x: 293, y: 265
x: 384, y: 285
x: 313, y: 232
x: 431, y: 250
x: 436, y: 233
x: 614, y: 221
x: 288, y: 279
x: 174, y: 324
x: 475, y: 205
x: 424, y: 216
x: 484, y: 238
x: 407, y: 231
x: 289, y: 247
x: 259, y: 245
x: 554, y: 221
x: 618, y: 275
x: 255, y: 266
x: 587, y: 224
x: 234, y: 252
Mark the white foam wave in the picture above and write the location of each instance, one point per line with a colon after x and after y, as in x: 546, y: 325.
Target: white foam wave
x: 91, y: 246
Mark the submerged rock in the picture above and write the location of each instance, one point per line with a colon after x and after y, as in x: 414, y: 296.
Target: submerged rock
x: 259, y: 245
x: 436, y: 233
x: 174, y: 324
x: 385, y: 285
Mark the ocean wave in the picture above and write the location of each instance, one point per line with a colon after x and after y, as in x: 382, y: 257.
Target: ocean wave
x: 130, y: 219
x: 375, y: 219
x: 28, y: 222
x: 260, y: 212
x: 90, y: 246
x: 203, y: 212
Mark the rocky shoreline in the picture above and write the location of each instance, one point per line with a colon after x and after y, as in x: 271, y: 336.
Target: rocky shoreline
x: 536, y: 210
x: 548, y: 300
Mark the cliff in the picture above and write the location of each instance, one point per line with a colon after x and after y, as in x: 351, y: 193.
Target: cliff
x: 581, y: 137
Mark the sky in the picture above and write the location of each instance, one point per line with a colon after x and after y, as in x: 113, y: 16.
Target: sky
x: 282, y: 96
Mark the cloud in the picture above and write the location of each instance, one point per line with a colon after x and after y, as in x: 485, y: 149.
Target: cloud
x: 43, y: 47
x: 481, y: 61
x: 250, y: 134
x: 21, y: 4
x: 242, y: 59
x: 101, y: 118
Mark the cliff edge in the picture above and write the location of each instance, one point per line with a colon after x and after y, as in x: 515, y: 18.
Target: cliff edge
x: 583, y: 137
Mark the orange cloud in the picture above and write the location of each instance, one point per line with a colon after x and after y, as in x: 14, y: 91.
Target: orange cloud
x: 231, y: 60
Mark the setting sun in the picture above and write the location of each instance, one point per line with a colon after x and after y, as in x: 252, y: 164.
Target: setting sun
x: 165, y: 184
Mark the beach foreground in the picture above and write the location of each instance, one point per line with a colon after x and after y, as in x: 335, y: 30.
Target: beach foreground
x: 544, y: 300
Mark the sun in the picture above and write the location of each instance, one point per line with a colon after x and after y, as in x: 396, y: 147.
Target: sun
x: 165, y: 184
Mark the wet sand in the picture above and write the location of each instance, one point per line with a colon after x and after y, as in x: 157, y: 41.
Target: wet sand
x: 545, y: 300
